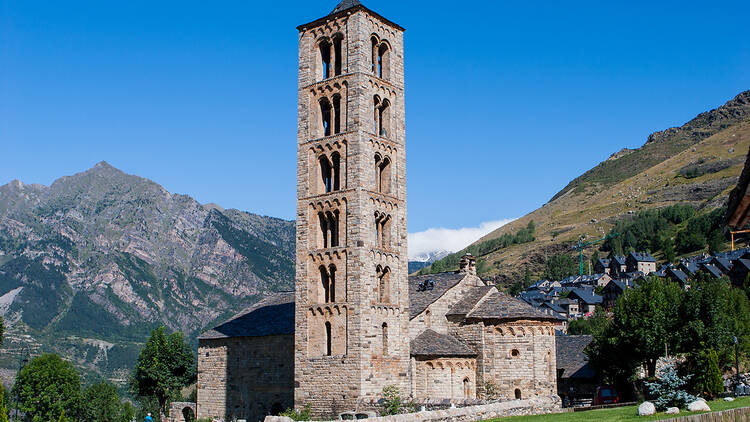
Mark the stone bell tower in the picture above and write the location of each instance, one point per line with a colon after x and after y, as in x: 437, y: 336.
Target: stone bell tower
x: 351, y: 300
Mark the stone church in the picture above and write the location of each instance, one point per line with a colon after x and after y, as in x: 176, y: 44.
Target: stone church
x: 356, y: 322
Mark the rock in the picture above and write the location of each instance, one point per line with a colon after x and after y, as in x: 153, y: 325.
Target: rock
x: 646, y: 408
x: 673, y: 411
x: 728, y: 398
x: 699, y: 405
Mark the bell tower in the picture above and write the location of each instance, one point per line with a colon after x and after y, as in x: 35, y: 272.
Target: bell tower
x: 351, y: 291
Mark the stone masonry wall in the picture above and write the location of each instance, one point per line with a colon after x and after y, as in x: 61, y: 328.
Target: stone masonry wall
x: 446, y: 378
x: 531, y: 406
x: 245, y: 377
x: 370, y: 337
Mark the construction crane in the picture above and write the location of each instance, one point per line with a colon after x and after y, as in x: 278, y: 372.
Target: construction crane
x: 580, y: 245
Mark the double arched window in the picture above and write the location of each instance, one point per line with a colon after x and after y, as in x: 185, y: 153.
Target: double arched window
x: 382, y: 174
x: 381, y: 116
x: 330, y: 57
x: 330, y: 114
x: 381, y: 57
x: 330, y: 172
x: 327, y: 292
x: 329, y: 228
x: 382, y: 230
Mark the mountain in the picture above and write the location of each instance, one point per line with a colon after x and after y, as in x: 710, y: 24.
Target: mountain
x: 697, y: 163
x: 420, y: 261
x: 90, y: 264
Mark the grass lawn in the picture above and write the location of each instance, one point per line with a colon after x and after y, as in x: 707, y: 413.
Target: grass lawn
x: 629, y: 413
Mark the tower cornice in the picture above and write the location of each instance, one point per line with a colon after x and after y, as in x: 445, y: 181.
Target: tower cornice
x: 345, y: 12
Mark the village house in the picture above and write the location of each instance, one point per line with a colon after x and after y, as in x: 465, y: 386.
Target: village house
x: 640, y: 261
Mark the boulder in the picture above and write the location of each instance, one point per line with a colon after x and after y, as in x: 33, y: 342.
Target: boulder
x: 646, y: 408
x: 673, y: 411
x: 728, y: 398
x: 699, y: 405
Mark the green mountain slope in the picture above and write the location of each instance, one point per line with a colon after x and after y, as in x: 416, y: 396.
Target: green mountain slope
x: 697, y: 163
x: 90, y: 264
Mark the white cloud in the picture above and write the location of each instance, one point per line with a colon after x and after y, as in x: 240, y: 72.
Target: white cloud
x: 451, y: 240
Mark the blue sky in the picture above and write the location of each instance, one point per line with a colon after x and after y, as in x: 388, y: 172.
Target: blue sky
x: 506, y: 101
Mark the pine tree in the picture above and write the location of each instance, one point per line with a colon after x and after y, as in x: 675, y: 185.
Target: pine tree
x: 709, y: 382
x: 3, y: 407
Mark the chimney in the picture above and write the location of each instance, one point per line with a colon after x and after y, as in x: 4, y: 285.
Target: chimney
x: 468, y: 264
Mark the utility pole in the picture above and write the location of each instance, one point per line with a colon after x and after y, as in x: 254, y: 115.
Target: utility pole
x: 580, y: 245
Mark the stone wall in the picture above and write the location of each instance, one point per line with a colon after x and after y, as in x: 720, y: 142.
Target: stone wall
x: 368, y: 320
x: 245, y: 377
x: 445, y: 378
x: 531, y: 406
x: 177, y: 411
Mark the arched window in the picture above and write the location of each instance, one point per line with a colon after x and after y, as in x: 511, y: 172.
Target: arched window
x: 336, y: 164
x: 384, y: 279
x: 327, y: 345
x: 326, y: 173
x: 518, y: 394
x: 385, y: 339
x: 325, y: 59
x: 384, y: 119
x: 427, y: 318
x: 332, y: 283
x: 325, y: 115
x: 382, y: 230
x: 325, y: 282
x: 337, y: 114
x: 376, y: 114
x: 338, y: 54
x: 383, y: 65
x: 374, y: 41
x: 384, y: 169
x: 550, y: 371
x: 467, y: 388
x: 324, y: 230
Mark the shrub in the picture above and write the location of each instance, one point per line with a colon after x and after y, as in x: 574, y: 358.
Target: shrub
x: 668, y: 389
x: 709, y: 376
x: 491, y: 392
x: 297, y: 415
x: 392, y: 403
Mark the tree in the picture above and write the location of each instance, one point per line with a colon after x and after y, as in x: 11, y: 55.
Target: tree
x: 645, y: 320
x: 560, y: 266
x: 591, y: 326
x: 48, y: 387
x: 165, y: 365
x: 709, y: 382
x: 3, y: 406
x: 102, y: 403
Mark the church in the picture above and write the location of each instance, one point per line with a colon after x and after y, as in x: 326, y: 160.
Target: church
x: 356, y: 321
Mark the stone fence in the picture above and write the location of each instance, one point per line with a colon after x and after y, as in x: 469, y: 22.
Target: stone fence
x: 741, y: 414
x: 531, y: 406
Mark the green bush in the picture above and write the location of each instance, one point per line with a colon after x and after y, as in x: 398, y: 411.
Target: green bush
x: 709, y: 382
x: 297, y: 415
x: 392, y: 403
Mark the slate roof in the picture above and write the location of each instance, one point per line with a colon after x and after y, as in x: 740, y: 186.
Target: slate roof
x: 570, y: 357
x: 711, y: 269
x: 617, y: 283
x: 604, y: 262
x: 642, y: 257
x: 690, y: 266
x: 346, y: 5
x: 273, y: 315
x: 500, y: 305
x: 618, y: 259
x: 420, y: 300
x: 680, y: 276
x: 743, y: 263
x: 723, y: 264
x: 470, y: 300
x: 431, y: 343
x: 553, y: 307
x: 587, y: 296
